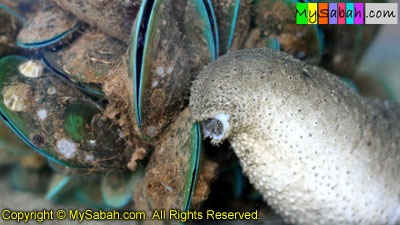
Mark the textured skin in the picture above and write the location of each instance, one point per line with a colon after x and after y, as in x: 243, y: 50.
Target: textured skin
x: 317, y: 151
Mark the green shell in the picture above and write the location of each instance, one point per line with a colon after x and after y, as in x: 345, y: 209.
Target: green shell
x: 113, y: 17
x: 58, y: 120
x: 117, y: 187
x: 171, y: 41
x: 171, y: 173
x: 226, y: 13
x: 88, y: 60
x: 50, y: 25
x: 9, y: 141
x: 59, y: 185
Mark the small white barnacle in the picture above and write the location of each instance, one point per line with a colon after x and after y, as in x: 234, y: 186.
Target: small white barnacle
x: 346, y: 152
x: 66, y: 147
x: 160, y: 71
x: 42, y: 114
x: 17, y: 97
x: 31, y: 68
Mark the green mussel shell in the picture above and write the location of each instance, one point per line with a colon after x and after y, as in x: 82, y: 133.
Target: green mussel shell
x: 171, y: 41
x: 117, y: 187
x: 50, y: 25
x: 233, y: 18
x: 9, y: 141
x: 113, y: 17
x: 58, y: 120
x: 171, y: 173
x: 88, y: 61
x: 59, y: 185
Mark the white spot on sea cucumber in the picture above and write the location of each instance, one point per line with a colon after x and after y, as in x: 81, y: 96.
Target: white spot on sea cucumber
x: 31, y: 68
x: 161, y: 150
x: 92, y: 142
x: 67, y: 148
x: 42, y: 114
x: 164, y: 22
x: 154, y: 84
x: 160, y: 71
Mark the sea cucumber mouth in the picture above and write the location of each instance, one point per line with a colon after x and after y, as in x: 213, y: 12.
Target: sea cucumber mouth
x: 216, y: 127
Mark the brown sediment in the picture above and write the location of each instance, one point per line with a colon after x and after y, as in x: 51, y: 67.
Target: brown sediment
x: 205, y: 177
x: 273, y: 19
x: 242, y: 26
x: 114, y: 17
x: 139, y: 154
x: 224, y: 13
x: 90, y: 58
x: 168, y: 172
x: 176, y: 51
x: 117, y: 110
x: 48, y: 23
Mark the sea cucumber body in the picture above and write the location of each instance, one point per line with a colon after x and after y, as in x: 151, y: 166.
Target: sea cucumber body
x: 317, y: 151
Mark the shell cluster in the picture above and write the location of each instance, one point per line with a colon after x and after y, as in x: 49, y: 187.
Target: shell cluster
x: 113, y: 96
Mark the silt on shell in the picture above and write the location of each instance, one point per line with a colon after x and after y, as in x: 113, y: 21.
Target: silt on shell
x: 113, y: 17
x: 170, y: 176
x: 171, y: 41
x: 49, y: 25
x: 65, y: 126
